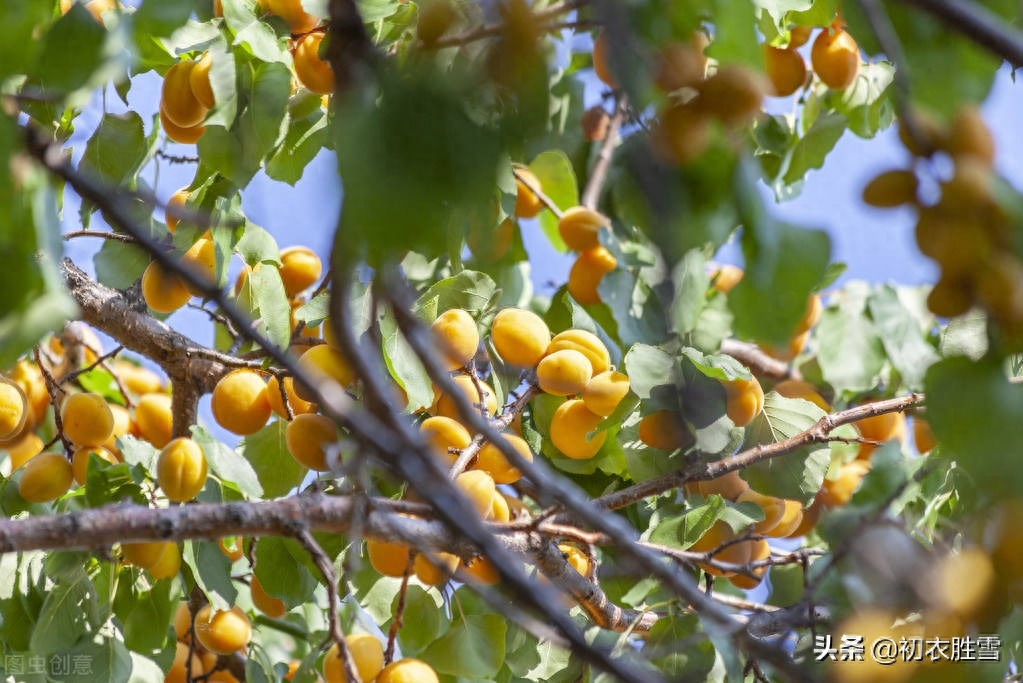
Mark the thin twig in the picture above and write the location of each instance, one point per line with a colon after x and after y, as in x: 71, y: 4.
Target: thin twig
x: 115, y: 236
x: 598, y: 174
x: 536, y: 190
x: 399, y: 610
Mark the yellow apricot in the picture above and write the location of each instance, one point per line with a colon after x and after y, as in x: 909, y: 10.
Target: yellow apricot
x: 798, y: 388
x: 680, y: 134
x: 575, y: 557
x: 298, y: 405
x: 408, y: 671
x: 182, y: 621
x: 87, y: 420
x: 970, y: 137
x: 666, y: 430
x: 201, y: 258
x: 812, y: 314
x: 491, y: 244
x: 389, y: 559
x: 950, y: 297
x: 492, y: 461
x: 480, y: 489
x: 223, y: 631
x: 798, y: 35
x: 443, y: 434
x: 144, y: 554
x: 321, y: 363
x: 786, y: 70
x: 837, y: 492
x: 177, y: 100
x: 570, y: 428
x: 605, y: 391
x: 24, y: 449
x: 309, y: 436
x: 580, y: 228
x: 13, y: 408
x: 185, y: 135
x: 457, y: 337
x: 181, y: 469
x: 199, y: 80
x: 880, y: 427
x: 500, y: 510
x: 733, y: 95
x: 430, y: 572
x: 719, y: 534
x: 596, y: 123
x: 28, y: 376
x: 233, y: 547
x: 300, y: 269
x: 137, y: 379
x: 923, y: 435
x: 589, y: 269
x: 266, y: 603
x: 313, y: 71
x: 963, y: 583
x: 729, y: 485
x: 564, y: 372
x: 163, y: 291
x: 891, y: 188
x: 97, y: 8
x: 725, y: 277
x: 680, y: 65
x: 774, y: 509
x: 600, y: 63
x: 836, y: 58
x: 481, y: 570
x: 367, y: 655
x: 178, y: 672
x: 292, y: 12
x: 760, y: 550
x: 240, y: 402
x: 791, y: 350
x: 45, y: 477
x: 808, y: 521
x: 168, y: 563
x: 444, y: 404
x: 585, y: 343
x: 745, y: 400
x: 527, y: 204
x: 521, y: 337
x: 80, y: 461
x: 154, y: 419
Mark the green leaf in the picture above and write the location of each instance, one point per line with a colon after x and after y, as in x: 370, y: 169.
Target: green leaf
x: 673, y: 529
x: 557, y: 180
x: 648, y: 367
x: 470, y: 290
x: 71, y: 54
x: 228, y: 464
x: 159, y: 18
x: 304, y: 140
x: 148, y: 609
x: 676, y: 646
x: 965, y: 335
x: 135, y: 451
x: 257, y: 245
x: 279, y: 573
x: 117, y: 150
x: 108, y: 658
x: 424, y: 620
x: 211, y: 570
x: 67, y: 614
x: 901, y: 335
x: 267, y: 453
x: 716, y: 366
x: 106, y: 483
x: 812, y: 149
x: 404, y: 364
x: 691, y: 283
x: 850, y: 351
x: 256, y: 35
x: 263, y: 120
x: 272, y: 302
x: 473, y: 647
x: 866, y: 103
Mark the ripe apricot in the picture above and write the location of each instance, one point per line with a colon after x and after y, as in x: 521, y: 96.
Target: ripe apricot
x: 309, y: 436
x: 177, y: 101
x: 812, y: 314
x: 600, y: 63
x: 500, y: 510
x: 491, y: 244
x: 28, y: 376
x: 322, y: 363
x: 13, y: 408
x: 715, y: 537
x: 680, y: 134
x: 733, y: 95
x: 527, y: 203
x: 880, y: 427
x: 576, y: 558
x: 266, y: 603
x: 970, y: 137
x: 201, y: 258
x: 408, y: 671
x: 809, y: 520
x: 24, y: 449
x: 725, y: 277
x: 759, y: 551
x: 786, y: 70
x: 481, y: 570
x: 185, y: 135
x: 223, y: 631
x: 798, y: 35
x: 838, y: 491
x: 45, y: 477
x: 962, y: 583
x: 790, y: 520
x: 298, y: 405
x: 144, y: 554
x: 745, y: 400
x: 999, y: 287
x: 774, y: 509
x: 596, y: 123
x: 86, y: 418
x: 367, y: 655
x: 605, y: 391
x: 199, y: 80
x: 444, y: 433
x: 163, y: 291
x: 798, y: 388
x: 589, y: 269
x: 836, y: 58
x: 445, y: 406
x: 240, y: 402
x: 950, y: 297
x: 492, y: 461
x: 292, y: 12
x: 679, y: 65
x: 153, y: 419
x: 923, y: 435
x: 178, y: 672
x: 181, y: 469
x: 480, y: 489
x: 580, y: 228
x: 564, y: 372
x: 891, y: 188
x: 313, y: 71
x: 457, y: 337
x: 585, y: 343
x: 436, y: 571
x: 961, y: 247
x: 300, y: 269
x: 232, y: 546
x: 729, y: 485
x: 664, y: 429
x: 389, y: 559
x: 182, y: 621
x: 80, y: 461
x: 570, y: 428
x: 176, y: 201
x: 137, y: 379
x: 521, y: 337
x: 168, y: 563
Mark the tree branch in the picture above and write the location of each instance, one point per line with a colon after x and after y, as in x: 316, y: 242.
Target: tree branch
x: 978, y: 24
x: 598, y: 175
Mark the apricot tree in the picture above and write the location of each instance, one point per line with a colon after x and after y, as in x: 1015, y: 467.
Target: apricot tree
x: 424, y: 468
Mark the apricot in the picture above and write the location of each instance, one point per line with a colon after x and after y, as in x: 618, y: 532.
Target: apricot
x: 680, y: 134
x: 13, y: 408
x: 729, y: 485
x: 585, y: 343
x: 963, y: 583
x: 300, y: 269
x: 181, y: 469
x: 86, y: 419
x: 309, y: 436
x: 185, y: 135
x: 733, y: 95
x: 408, y: 671
x: 999, y: 287
x: 923, y: 435
x: 322, y: 363
x: 891, y: 189
x: 168, y: 563
x: 266, y: 603
x: 564, y: 372
x: 950, y: 297
x: 571, y: 427
x: 880, y: 427
x: 199, y: 80
x: 201, y: 258
x: 838, y: 491
x: 182, y: 621
x: 798, y: 388
x: 45, y: 477
x: 154, y: 419
x: 596, y: 123
x: 292, y: 12
x: 809, y: 520
x: 760, y: 551
x: 664, y: 429
x: 491, y: 245
x: 389, y: 559
x: 176, y: 201
x: 233, y: 547
x: 679, y: 65
x: 240, y: 402
x: 28, y: 376
x: 836, y: 58
x: 444, y: 405
x: 576, y: 558
x: 970, y: 137
x: 715, y: 537
x: 367, y: 655
x: 137, y: 379
x: 798, y: 35
x: 961, y: 247
x: 298, y: 405
x: 791, y: 519
x: 223, y: 631
x: 24, y: 449
x: 786, y: 70
x: 774, y: 509
x: 580, y: 228
x: 527, y: 203
x: 521, y: 337
x: 163, y: 291
x: 500, y: 510
x: 144, y: 554
x: 492, y: 461
x: 443, y: 434
x: 589, y: 269
x: 745, y: 400
x: 479, y: 487
x: 481, y: 570
x: 457, y: 337
x: 725, y: 277
x: 313, y: 71
x: 812, y: 314
x: 604, y: 392
x: 178, y: 103
x: 80, y: 461
x: 178, y: 672
x: 436, y: 571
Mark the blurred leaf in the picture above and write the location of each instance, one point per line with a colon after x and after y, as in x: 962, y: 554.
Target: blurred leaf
x: 648, y: 367
x: 117, y: 150
x: 676, y: 647
x: 812, y: 149
x: 68, y: 613
x: 267, y: 452
x: 849, y: 349
x: 691, y: 283
x: 866, y: 103
x: 965, y: 335
x: 901, y: 335
x: 106, y: 483
x: 256, y: 35
x: 160, y: 18
x: 557, y: 180
x: 470, y: 290
x: 71, y: 54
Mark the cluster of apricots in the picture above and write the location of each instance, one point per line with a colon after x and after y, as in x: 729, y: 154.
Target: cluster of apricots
x: 311, y: 69
x: 186, y: 98
x: 580, y: 229
x: 835, y: 57
x: 966, y: 231
x: 217, y: 632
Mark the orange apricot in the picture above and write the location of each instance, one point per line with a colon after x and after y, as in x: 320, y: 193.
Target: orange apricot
x: 527, y: 203
x: 389, y: 559
x: 408, y: 671
x: 177, y: 101
x: 923, y: 435
x: 457, y: 337
x: 576, y: 558
x: 679, y: 65
x: 564, y: 372
x: 24, y: 449
x: 298, y: 405
x: 233, y: 547
x: 153, y: 418
x: 589, y: 269
x: 323, y: 363
x: 836, y: 58
x: 445, y: 405
x: 163, y: 291
x: 201, y: 258
x: 521, y: 337
x: 481, y: 570
x: 571, y: 427
x: 970, y: 137
x: 480, y: 488
x: 774, y: 509
x: 444, y: 434
x: 580, y: 228
x: 199, y: 80
x: 605, y: 391
x: 733, y: 95
x: 585, y: 343
x: 798, y: 35
x: 664, y: 429
x: 185, y: 135
x: 367, y: 655
x: 300, y: 269
x: 168, y: 563
x: 891, y: 188
x: 309, y: 437
x: 86, y: 418
x: 680, y: 134
x: 600, y: 61
x: 725, y: 277
x: 760, y: 550
x: 13, y: 408
x: 264, y: 602
x: 785, y: 69
x: 434, y: 572
x: 838, y: 491
x: 729, y: 485
x: 492, y: 461
x: 223, y: 631
x: 719, y: 534
x: 176, y: 201
x: 798, y: 388
x: 240, y: 402
x: 292, y: 12
x: 80, y: 461
x: 313, y: 71
x: 745, y: 400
